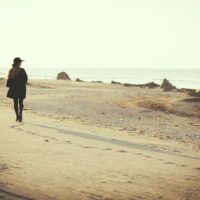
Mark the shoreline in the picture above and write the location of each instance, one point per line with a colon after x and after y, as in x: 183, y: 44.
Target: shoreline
x: 109, y: 82
x: 132, y: 76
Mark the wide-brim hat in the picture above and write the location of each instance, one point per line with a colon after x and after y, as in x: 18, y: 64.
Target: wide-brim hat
x: 17, y: 60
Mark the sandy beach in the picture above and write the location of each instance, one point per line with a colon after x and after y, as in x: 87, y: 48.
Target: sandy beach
x: 98, y: 141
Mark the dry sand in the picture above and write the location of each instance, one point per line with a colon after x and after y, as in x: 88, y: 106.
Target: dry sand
x: 100, y: 141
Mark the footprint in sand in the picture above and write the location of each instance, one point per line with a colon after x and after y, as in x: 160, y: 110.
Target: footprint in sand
x: 107, y: 198
x: 176, y: 151
x: 68, y: 142
x: 169, y: 163
x: 140, y: 154
x: 147, y: 156
x: 3, y: 167
x: 93, y: 196
x: 126, y: 175
x: 107, y: 149
x: 87, y: 147
x: 14, y: 126
x: 130, y: 182
x: 183, y: 165
x: 198, y: 168
x: 31, y: 132
x: 122, y: 151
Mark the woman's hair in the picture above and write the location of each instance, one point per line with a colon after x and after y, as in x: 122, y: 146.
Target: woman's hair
x: 14, y: 71
x: 16, y: 61
x: 14, y: 65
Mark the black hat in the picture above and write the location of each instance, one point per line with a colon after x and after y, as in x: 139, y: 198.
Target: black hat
x: 17, y: 60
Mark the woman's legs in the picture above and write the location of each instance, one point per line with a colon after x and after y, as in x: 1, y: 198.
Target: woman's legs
x: 21, y: 107
x: 16, y: 108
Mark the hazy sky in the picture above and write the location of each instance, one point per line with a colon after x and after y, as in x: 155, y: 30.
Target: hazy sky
x: 101, y: 33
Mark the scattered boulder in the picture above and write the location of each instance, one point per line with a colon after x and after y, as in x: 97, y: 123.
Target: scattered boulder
x: 191, y: 92
x: 132, y: 85
x: 167, y: 86
x: 186, y: 90
x: 128, y: 85
x: 97, y: 81
x: 197, y: 94
x: 79, y: 80
x: 115, y: 82
x: 151, y: 85
x: 63, y: 76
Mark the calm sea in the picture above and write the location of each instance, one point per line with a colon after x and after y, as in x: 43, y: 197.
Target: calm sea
x: 187, y: 78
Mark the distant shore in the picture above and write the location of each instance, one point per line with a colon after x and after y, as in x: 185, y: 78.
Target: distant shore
x: 181, y: 78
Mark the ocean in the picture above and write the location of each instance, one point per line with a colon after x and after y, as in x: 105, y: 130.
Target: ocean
x: 181, y: 78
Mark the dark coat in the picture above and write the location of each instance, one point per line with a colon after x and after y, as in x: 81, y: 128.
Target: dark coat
x: 17, y: 86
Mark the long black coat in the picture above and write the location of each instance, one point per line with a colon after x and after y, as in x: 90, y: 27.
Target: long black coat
x: 17, y: 86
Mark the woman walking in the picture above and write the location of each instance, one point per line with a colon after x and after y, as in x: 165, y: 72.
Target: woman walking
x: 17, y: 79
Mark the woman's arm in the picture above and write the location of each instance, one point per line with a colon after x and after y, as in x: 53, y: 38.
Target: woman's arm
x: 22, y: 78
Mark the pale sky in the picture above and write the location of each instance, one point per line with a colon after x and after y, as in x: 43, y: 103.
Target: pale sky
x: 101, y: 33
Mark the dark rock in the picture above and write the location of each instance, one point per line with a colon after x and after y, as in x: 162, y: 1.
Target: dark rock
x: 149, y: 85
x: 191, y: 92
x: 167, y: 86
x: 194, y: 93
x: 79, y: 80
x: 129, y: 85
x: 115, y: 82
x: 97, y: 81
x: 186, y: 90
x: 63, y: 76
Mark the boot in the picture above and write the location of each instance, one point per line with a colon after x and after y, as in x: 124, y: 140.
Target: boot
x: 21, y: 107
x: 17, y: 117
x: 16, y: 112
x: 20, y: 118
